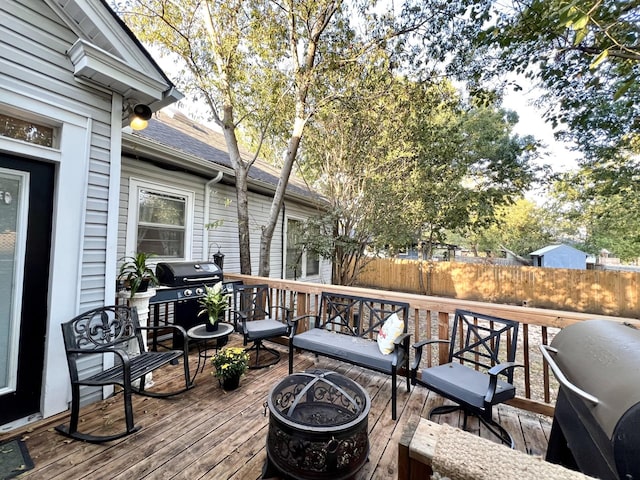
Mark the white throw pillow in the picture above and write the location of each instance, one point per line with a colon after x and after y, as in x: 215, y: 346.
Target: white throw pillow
x: 393, y: 327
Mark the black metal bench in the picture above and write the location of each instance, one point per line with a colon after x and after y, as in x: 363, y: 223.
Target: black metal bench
x: 115, y: 331
x: 346, y: 328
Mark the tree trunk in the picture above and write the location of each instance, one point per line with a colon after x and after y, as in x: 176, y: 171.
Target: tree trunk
x: 278, y: 198
x: 242, y: 198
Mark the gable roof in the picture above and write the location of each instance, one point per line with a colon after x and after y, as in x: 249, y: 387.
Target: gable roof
x: 550, y: 248
x: 174, y: 138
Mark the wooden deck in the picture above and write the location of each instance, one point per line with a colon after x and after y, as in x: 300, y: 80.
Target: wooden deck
x: 207, y: 433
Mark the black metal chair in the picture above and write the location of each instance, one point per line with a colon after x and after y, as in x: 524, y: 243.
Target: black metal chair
x: 479, y: 371
x: 257, y: 320
x: 114, y: 332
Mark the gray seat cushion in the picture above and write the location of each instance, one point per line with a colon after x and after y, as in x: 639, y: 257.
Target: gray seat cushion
x: 465, y: 383
x: 266, y: 328
x: 349, y: 348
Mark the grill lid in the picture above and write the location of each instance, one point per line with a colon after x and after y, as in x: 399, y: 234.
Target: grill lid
x: 602, y: 358
x: 187, y: 273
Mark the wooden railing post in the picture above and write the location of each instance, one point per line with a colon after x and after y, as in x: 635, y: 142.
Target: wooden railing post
x: 443, y: 334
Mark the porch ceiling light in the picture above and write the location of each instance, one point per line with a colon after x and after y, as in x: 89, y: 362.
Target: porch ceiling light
x: 139, y: 117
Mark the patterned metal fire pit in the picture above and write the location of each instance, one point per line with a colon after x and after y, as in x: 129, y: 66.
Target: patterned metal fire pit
x: 318, y: 427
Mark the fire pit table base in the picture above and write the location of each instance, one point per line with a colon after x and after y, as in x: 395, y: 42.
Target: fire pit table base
x: 318, y: 427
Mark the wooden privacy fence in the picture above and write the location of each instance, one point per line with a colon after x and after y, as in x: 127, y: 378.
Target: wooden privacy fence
x: 589, y: 291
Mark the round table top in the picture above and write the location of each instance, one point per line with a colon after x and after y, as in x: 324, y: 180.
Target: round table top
x: 200, y: 332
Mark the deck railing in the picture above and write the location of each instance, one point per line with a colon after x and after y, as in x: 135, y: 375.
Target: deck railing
x: 430, y: 319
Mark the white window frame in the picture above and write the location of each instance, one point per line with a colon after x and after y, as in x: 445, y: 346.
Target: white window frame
x: 303, y: 260
x: 135, y: 185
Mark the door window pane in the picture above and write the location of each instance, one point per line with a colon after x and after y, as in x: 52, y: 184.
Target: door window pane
x: 300, y: 262
x: 13, y: 195
x: 313, y: 264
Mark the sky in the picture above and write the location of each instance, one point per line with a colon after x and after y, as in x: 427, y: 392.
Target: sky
x: 561, y: 158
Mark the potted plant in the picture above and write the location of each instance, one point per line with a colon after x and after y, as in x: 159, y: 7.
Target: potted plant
x: 214, y: 303
x: 136, y: 274
x: 230, y: 364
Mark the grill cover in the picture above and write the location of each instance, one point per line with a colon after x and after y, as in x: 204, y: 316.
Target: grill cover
x: 601, y: 358
x: 177, y: 274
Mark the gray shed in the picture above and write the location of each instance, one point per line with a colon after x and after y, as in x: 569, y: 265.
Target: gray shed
x: 559, y: 256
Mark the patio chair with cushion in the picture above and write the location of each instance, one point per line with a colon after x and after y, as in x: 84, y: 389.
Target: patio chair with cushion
x: 257, y: 320
x: 479, y: 370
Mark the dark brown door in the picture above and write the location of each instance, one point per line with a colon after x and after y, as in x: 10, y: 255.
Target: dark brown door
x: 26, y: 206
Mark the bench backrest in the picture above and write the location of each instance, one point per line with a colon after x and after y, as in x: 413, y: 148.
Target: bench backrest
x: 358, y: 316
x: 100, y: 329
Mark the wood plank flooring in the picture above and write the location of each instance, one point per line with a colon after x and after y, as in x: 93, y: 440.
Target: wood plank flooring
x: 207, y: 433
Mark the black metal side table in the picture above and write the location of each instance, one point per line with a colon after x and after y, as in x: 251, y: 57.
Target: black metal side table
x: 201, y: 336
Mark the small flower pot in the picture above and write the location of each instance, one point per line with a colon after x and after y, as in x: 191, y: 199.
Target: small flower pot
x: 231, y: 383
x: 212, y: 327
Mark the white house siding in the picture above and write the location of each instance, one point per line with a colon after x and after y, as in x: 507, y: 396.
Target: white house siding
x: 223, y: 207
x: 37, y: 81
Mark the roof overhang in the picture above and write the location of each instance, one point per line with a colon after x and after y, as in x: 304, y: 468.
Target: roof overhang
x: 108, y: 55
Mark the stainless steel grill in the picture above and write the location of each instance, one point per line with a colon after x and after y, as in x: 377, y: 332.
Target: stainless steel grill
x: 183, y: 284
x: 596, y: 425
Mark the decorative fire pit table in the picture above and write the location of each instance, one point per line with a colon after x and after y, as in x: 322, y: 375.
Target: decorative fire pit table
x: 318, y: 427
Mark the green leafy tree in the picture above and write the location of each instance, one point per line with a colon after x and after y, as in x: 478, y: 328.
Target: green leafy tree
x: 410, y: 162
x: 605, y: 210
x: 521, y: 227
x: 584, y: 53
x: 468, y: 168
x: 261, y: 66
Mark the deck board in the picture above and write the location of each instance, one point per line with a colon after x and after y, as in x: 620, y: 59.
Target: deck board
x: 207, y: 433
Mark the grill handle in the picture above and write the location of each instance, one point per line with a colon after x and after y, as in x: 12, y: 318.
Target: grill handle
x: 199, y: 280
x: 546, y: 353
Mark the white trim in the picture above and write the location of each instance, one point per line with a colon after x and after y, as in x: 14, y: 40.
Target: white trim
x: 95, y: 64
x: 135, y: 184
x: 42, y: 111
x: 115, y: 169
x: 66, y: 260
x: 115, y: 163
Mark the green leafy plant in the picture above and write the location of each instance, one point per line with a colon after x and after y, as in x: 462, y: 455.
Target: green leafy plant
x: 214, y: 302
x: 136, y: 274
x: 230, y: 362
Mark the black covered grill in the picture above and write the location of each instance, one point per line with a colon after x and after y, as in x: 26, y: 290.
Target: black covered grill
x: 183, y: 283
x: 596, y: 425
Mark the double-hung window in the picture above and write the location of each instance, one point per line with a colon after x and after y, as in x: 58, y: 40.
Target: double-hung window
x: 162, y: 220
x: 299, y: 261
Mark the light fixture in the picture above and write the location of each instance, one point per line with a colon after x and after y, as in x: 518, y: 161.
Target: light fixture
x: 139, y: 117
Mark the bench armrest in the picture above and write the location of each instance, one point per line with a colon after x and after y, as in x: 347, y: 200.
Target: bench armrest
x: 295, y: 321
x: 123, y: 354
